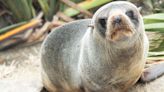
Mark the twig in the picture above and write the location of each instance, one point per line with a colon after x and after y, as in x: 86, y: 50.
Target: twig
x: 22, y: 28
x: 64, y: 17
x: 56, y: 22
x: 47, y: 26
x: 151, y: 61
x: 40, y: 15
x: 28, y: 34
x: 5, y: 12
x: 10, y: 43
x: 73, y: 5
x: 2, y: 13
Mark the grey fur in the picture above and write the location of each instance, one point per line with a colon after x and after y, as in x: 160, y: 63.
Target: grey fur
x: 76, y: 57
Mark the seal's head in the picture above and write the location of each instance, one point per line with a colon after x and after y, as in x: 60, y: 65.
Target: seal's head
x: 118, y: 22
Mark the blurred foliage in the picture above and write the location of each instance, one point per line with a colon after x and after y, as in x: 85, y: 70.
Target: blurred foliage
x: 24, y: 10
x: 14, y: 13
x: 155, y: 23
x: 89, y: 4
x: 149, y: 6
x: 21, y: 9
x: 49, y: 7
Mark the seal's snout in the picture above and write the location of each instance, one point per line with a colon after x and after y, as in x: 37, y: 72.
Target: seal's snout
x: 119, y: 27
x: 117, y: 19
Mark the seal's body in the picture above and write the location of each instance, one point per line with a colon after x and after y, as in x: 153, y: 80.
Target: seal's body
x: 108, y: 56
x: 61, y: 54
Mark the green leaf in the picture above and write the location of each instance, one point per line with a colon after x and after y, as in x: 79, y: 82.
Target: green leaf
x: 155, y: 26
x: 154, y: 18
x: 149, y: 21
x: 156, y: 53
x: 44, y: 5
x: 54, y: 7
x: 158, y: 16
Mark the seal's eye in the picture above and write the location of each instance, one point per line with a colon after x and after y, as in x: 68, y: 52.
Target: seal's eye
x: 102, y: 22
x: 130, y: 14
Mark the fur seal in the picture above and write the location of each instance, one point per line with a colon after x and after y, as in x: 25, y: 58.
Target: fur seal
x: 109, y: 55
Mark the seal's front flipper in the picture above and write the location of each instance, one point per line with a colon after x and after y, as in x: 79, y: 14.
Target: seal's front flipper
x: 152, y: 72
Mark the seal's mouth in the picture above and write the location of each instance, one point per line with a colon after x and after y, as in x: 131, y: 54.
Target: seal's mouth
x: 121, y: 34
x: 119, y: 28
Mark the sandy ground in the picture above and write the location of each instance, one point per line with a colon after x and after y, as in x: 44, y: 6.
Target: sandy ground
x: 20, y: 70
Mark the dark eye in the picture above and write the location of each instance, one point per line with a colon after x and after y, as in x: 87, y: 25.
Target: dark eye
x: 102, y: 22
x: 130, y: 13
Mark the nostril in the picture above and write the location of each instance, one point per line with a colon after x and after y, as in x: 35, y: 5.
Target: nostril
x: 117, y: 19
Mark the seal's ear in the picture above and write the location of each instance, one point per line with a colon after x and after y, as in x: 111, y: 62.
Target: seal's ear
x: 91, y: 26
x: 139, y: 9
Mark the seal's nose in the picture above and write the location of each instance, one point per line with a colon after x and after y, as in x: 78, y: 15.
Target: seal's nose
x: 117, y: 20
